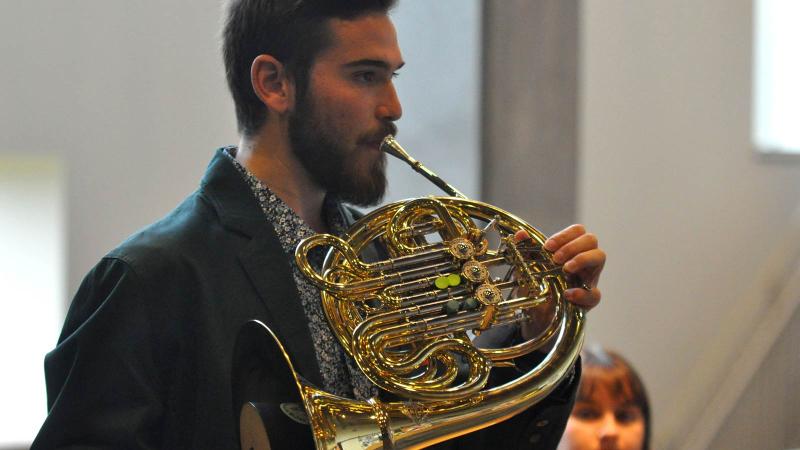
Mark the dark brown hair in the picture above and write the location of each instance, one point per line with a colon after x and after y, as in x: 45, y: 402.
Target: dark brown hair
x: 605, y: 369
x: 293, y: 31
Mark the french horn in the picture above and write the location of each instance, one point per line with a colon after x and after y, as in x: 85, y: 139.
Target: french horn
x: 451, y: 271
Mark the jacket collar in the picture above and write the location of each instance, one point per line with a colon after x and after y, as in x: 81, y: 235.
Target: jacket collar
x: 230, y: 196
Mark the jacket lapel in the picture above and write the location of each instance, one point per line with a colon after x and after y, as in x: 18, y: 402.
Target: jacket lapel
x: 270, y: 274
x: 264, y: 262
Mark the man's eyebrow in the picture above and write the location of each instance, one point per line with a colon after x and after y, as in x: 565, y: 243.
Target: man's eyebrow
x: 373, y: 63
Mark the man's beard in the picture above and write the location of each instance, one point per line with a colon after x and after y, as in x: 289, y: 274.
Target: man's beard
x: 330, y: 165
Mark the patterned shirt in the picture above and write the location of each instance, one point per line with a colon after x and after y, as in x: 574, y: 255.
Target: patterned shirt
x: 340, y: 375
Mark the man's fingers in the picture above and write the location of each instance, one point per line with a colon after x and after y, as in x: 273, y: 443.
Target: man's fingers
x: 583, y: 243
x: 521, y: 235
x: 579, y: 252
x: 584, y: 299
x: 581, y: 257
x: 562, y: 237
x: 589, y: 261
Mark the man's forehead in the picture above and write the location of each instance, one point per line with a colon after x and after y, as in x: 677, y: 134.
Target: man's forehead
x: 368, y: 39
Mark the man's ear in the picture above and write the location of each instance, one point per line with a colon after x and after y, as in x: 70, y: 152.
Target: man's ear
x: 271, y: 83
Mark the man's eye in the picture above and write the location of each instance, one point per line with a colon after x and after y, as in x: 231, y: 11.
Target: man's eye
x: 366, y: 77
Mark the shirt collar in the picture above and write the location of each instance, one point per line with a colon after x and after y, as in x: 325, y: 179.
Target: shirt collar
x: 290, y: 228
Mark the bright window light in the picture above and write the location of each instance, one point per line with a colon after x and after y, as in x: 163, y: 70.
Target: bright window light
x: 777, y: 76
x: 31, y: 289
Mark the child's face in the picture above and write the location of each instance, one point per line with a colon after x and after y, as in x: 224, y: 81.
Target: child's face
x: 604, y: 423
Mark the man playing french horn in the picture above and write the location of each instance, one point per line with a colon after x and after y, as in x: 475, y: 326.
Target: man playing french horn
x: 145, y: 356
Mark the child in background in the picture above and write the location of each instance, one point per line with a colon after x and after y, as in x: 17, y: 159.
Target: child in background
x: 611, y: 411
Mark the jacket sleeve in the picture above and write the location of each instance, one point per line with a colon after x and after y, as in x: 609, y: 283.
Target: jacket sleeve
x: 105, y: 385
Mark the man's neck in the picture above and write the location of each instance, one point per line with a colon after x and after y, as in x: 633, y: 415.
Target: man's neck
x: 268, y: 156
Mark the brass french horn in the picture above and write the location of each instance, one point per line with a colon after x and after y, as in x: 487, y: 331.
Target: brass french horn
x: 452, y: 270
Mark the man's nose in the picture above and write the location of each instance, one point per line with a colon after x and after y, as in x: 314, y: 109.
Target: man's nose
x: 389, y: 108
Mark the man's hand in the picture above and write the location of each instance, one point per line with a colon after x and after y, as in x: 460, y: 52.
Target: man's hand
x: 580, y: 256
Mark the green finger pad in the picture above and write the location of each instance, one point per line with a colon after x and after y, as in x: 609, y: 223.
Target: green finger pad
x: 454, y: 279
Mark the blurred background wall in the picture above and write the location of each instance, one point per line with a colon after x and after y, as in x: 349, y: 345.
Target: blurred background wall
x: 631, y: 117
x: 701, y: 231
x: 635, y: 119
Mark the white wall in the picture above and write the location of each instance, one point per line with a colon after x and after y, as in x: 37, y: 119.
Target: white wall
x: 129, y: 94
x: 440, y: 91
x: 771, y: 404
x: 31, y: 287
x: 689, y: 215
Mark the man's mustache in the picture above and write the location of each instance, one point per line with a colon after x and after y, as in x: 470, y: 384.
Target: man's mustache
x: 377, y: 137
x: 391, y: 128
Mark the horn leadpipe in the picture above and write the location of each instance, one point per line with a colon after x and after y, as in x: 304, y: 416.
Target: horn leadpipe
x: 390, y: 146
